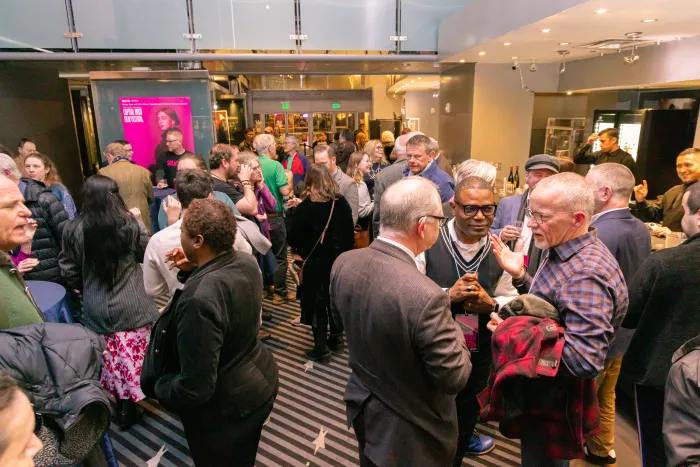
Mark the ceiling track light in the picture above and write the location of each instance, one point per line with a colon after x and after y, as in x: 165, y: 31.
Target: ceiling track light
x: 562, y: 65
x: 632, y: 57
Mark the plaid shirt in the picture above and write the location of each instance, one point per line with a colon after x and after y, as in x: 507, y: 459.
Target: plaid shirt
x: 526, y: 391
x: 582, y: 279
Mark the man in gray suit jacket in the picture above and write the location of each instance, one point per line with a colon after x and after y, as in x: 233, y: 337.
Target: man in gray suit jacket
x: 407, y: 355
x: 325, y: 155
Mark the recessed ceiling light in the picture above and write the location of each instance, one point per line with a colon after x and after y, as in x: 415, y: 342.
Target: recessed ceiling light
x: 462, y: 61
x: 568, y: 93
x: 633, y: 34
x: 267, y: 7
x: 506, y: 44
x: 564, y: 43
x: 546, y: 30
x: 420, y: 77
x: 649, y: 20
x: 413, y: 80
x: 513, y: 58
x: 601, y: 11
x: 396, y: 69
x: 482, y: 53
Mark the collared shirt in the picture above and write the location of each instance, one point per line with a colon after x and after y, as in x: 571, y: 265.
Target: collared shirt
x: 596, y: 216
x: 445, y: 184
x: 159, y: 281
x: 504, y: 291
x: 582, y: 279
x: 419, y: 265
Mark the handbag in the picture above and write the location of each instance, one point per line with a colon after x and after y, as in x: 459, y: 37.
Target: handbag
x: 299, y: 262
x: 361, y: 237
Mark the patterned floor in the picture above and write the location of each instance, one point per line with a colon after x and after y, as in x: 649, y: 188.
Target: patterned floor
x: 306, y: 402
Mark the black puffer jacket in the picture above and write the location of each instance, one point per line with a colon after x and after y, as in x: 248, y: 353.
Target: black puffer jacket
x: 58, y: 367
x: 51, y: 217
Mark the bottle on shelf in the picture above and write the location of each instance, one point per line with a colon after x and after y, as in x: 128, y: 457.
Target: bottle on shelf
x: 510, y: 177
x: 516, y: 178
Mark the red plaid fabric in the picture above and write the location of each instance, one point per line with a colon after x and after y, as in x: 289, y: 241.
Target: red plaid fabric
x: 527, y: 392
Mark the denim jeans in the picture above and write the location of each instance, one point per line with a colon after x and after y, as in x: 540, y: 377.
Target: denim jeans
x: 278, y: 237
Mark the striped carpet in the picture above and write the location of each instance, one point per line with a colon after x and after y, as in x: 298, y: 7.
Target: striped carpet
x: 307, y: 401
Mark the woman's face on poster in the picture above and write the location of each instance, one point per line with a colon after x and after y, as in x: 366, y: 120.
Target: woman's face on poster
x: 164, y: 121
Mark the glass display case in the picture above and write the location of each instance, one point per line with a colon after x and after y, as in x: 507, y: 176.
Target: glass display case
x: 564, y: 135
x: 628, y: 122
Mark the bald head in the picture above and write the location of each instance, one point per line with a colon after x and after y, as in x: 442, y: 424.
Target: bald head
x: 9, y: 169
x: 405, y: 202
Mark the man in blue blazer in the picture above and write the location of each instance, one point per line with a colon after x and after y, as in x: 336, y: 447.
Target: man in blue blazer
x: 512, y: 209
x: 628, y: 239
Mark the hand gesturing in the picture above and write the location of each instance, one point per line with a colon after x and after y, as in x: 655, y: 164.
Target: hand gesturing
x: 512, y: 262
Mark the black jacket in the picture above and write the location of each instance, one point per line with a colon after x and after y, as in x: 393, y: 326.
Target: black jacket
x: 204, y: 360
x: 58, y: 367
x: 664, y: 297
x: 51, y: 218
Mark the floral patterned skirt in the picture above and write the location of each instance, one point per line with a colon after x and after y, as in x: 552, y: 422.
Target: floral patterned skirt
x: 121, y: 366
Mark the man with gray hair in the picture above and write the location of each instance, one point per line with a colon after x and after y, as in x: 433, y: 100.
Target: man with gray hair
x: 629, y: 241
x: 134, y: 181
x: 294, y: 162
x: 582, y: 280
x: 409, y: 361
x: 421, y: 152
x: 389, y: 175
x: 472, y: 168
x: 278, y: 184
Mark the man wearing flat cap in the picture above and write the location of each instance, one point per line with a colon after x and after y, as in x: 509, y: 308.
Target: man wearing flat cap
x: 510, y: 223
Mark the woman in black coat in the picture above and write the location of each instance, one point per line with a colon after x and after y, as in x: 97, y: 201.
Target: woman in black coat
x: 204, y: 361
x: 322, y: 207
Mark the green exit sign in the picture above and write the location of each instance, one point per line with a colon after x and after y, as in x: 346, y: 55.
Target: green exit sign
x: 336, y: 105
x: 285, y: 105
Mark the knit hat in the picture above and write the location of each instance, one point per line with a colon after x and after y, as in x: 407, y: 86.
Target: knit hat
x: 387, y: 138
x: 542, y: 161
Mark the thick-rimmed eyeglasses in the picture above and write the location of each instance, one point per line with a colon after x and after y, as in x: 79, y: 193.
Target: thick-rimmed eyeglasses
x: 541, y: 217
x: 471, y: 210
x: 442, y: 220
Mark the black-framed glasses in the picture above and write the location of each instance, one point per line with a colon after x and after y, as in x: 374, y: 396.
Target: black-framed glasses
x: 471, y: 210
x: 442, y: 220
x: 541, y: 217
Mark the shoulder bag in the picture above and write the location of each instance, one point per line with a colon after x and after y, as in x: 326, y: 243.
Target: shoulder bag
x: 299, y: 263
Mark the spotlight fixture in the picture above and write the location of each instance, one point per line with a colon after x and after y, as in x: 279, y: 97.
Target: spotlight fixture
x: 601, y: 11
x: 563, y: 54
x: 649, y: 20
x: 413, y: 80
x: 632, y: 57
x: 546, y: 30
x: 506, y: 44
x: 481, y: 54
x: 513, y: 58
x: 420, y: 77
x: 462, y: 61
x: 564, y: 43
x: 568, y: 93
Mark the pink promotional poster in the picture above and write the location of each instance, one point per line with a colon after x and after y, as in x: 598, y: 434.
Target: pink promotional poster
x: 146, y: 119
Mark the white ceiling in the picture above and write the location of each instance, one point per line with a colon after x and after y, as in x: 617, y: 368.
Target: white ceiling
x: 582, y: 25
x: 416, y: 83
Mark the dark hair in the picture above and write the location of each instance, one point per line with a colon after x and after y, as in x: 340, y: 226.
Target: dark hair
x: 193, y: 184
x: 199, y: 160
x: 336, y: 136
x: 611, y: 133
x: 319, y: 184
x: 325, y: 148
x: 473, y: 183
x: 566, y: 164
x: 110, y: 232
x: 421, y: 140
x: 23, y: 141
x: 220, y: 153
x: 214, y: 221
x: 248, y: 130
x: 344, y: 151
x: 347, y: 134
x: 170, y: 112
x: 694, y: 198
x: 3, y: 149
x: 121, y: 141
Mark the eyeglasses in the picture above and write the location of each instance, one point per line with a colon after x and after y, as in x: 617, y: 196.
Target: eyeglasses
x: 172, y: 140
x: 442, y: 220
x: 471, y: 210
x: 540, y: 217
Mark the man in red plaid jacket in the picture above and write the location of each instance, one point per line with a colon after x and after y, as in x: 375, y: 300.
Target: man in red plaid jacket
x: 578, y: 276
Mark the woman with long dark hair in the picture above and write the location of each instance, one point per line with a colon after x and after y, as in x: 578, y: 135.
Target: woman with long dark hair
x: 166, y: 118
x: 102, y: 249
x: 321, y: 229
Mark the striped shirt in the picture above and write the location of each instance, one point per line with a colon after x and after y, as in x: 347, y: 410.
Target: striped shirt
x: 582, y: 279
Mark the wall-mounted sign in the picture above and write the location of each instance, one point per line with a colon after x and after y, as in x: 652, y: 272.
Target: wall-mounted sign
x: 285, y: 105
x: 336, y: 105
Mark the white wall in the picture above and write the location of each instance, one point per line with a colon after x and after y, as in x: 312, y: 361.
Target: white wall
x: 383, y: 106
x: 422, y: 104
x: 503, y: 110
x: 666, y: 63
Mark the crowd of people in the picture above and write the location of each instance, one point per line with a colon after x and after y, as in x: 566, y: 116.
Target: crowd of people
x: 456, y: 305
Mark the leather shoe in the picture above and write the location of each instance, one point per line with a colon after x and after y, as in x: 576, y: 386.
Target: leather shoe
x: 480, y: 445
x: 318, y: 354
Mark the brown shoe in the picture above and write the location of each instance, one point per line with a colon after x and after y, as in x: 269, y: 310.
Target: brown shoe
x: 290, y: 297
x: 264, y: 335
